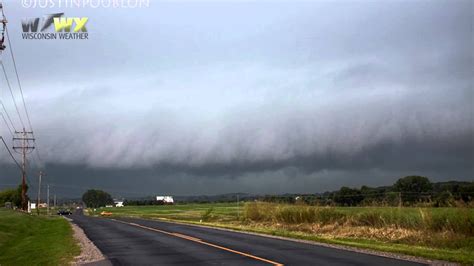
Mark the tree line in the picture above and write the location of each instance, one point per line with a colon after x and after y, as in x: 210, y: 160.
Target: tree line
x: 406, y: 191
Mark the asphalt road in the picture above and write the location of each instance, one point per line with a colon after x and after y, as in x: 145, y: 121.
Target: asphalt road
x: 143, y: 242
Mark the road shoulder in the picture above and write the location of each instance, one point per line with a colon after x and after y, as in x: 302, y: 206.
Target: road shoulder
x: 90, y: 254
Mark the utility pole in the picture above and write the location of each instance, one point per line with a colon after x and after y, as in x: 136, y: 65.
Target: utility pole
x: 54, y: 201
x: 23, y: 149
x: 399, y: 199
x: 238, y: 208
x: 48, y: 199
x: 39, y: 193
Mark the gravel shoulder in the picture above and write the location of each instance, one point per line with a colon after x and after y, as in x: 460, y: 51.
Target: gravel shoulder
x: 90, y: 254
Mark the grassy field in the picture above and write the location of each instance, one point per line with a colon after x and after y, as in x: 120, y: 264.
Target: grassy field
x: 35, y: 240
x: 436, y: 233
x: 223, y: 212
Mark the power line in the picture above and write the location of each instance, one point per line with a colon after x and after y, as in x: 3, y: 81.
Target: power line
x: 6, y: 123
x: 21, y: 90
x: 11, y: 154
x: 11, y: 92
x: 26, y: 136
x: 40, y: 161
x: 8, y: 116
x: 18, y: 78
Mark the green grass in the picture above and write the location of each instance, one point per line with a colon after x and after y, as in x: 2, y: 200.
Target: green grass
x: 434, y: 233
x: 455, y: 220
x: 224, y: 212
x: 35, y: 240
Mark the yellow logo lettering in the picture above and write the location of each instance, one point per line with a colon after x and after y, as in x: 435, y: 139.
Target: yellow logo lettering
x: 80, y: 24
x: 61, y: 24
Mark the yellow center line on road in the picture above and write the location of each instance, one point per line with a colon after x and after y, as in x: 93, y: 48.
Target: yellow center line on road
x: 197, y: 240
x: 187, y: 237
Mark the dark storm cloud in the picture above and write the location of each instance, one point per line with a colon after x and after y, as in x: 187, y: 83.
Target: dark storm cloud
x: 295, y: 97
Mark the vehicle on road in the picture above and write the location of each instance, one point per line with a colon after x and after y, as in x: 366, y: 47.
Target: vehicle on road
x: 64, y: 212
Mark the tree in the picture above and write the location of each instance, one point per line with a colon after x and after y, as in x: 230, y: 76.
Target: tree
x: 467, y: 192
x: 13, y: 196
x: 444, y: 199
x: 348, y: 196
x: 412, y: 187
x: 7, y: 195
x: 94, y: 198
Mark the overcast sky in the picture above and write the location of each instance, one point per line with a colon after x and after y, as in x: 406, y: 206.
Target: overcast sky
x: 190, y: 97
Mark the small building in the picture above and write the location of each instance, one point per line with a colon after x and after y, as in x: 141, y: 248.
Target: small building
x: 118, y: 203
x: 33, y: 205
x: 165, y: 199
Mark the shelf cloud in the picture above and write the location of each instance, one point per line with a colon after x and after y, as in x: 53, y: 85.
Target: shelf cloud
x: 295, y: 97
